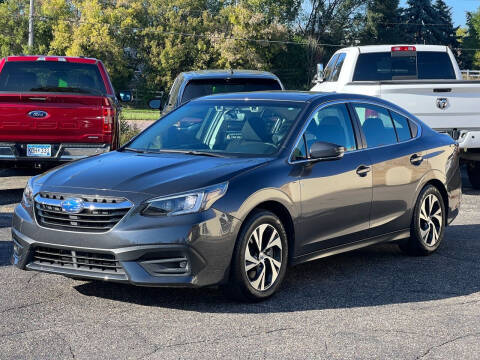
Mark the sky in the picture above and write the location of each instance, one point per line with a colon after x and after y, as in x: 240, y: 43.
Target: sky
x: 459, y: 8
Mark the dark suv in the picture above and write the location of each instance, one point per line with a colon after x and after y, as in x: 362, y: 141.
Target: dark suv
x: 194, y: 84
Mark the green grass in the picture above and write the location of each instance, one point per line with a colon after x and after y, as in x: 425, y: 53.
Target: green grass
x: 139, y: 114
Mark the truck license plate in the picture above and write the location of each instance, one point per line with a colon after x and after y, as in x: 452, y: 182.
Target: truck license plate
x: 39, y: 150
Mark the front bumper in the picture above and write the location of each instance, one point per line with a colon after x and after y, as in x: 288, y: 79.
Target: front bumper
x: 17, y: 152
x: 185, y: 251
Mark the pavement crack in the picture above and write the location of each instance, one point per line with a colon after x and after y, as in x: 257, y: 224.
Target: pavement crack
x: 19, y: 307
x: 430, y: 349
x: 216, y: 340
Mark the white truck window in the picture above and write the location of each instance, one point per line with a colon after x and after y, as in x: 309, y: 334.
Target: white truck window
x: 422, y: 65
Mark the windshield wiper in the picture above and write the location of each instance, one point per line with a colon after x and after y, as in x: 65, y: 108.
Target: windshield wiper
x: 193, y: 152
x: 140, y: 151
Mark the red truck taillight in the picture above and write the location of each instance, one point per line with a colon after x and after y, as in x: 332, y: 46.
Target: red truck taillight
x: 108, y: 113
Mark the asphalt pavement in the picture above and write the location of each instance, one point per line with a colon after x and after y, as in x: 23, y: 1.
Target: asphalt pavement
x: 374, y: 303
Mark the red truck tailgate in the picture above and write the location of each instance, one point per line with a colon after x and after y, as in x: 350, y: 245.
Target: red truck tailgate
x: 51, y: 118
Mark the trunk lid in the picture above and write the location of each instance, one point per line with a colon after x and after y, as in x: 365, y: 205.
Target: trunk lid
x: 47, y: 117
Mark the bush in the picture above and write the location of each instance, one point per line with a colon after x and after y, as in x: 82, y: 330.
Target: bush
x: 127, y: 131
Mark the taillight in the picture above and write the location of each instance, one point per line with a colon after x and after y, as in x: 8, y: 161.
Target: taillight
x: 108, y: 113
x: 404, y: 48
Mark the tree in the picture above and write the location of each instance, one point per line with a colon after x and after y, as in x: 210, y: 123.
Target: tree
x: 445, y: 33
x: 421, y: 18
x: 327, y: 26
x: 382, y: 23
x: 470, y: 40
x: 13, y: 27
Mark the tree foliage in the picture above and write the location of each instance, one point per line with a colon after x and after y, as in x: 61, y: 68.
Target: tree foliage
x: 146, y: 43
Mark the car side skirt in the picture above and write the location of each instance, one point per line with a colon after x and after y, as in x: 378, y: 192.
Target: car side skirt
x: 394, y: 236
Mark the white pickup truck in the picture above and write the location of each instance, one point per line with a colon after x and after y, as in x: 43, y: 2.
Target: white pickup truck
x: 423, y: 79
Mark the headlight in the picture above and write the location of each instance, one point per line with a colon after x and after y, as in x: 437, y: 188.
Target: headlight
x: 27, y: 198
x: 186, y: 203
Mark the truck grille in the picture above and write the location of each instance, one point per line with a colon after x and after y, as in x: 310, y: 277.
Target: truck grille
x: 98, y: 214
x: 77, y: 260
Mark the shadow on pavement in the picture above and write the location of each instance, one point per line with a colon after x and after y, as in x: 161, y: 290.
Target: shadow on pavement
x: 10, y: 196
x: 5, y: 220
x: 6, y: 248
x: 372, y: 276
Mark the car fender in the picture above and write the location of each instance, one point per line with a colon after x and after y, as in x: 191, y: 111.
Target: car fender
x: 269, y: 195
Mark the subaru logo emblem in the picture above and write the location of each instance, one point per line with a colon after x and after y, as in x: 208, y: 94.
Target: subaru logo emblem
x: 37, y: 114
x: 442, y: 103
x: 73, y: 206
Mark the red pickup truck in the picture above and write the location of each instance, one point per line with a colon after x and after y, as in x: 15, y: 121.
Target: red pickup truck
x: 55, y: 109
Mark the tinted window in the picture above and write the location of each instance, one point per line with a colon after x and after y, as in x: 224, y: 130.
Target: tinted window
x: 331, y: 124
x: 434, y: 65
x: 174, y: 92
x: 227, y: 127
x: 384, y: 66
x: 330, y: 66
x: 198, y: 88
x: 402, y: 127
x: 300, y: 152
x: 337, y: 68
x: 376, y: 125
x: 51, y: 76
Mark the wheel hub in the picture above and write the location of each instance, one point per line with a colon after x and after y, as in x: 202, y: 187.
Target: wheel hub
x: 263, y: 257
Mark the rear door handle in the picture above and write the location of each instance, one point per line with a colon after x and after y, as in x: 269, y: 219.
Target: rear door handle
x: 363, y: 170
x: 416, y: 159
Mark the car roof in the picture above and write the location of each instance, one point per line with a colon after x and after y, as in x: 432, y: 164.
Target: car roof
x: 278, y: 95
x: 388, y: 48
x: 70, y: 59
x: 230, y: 74
x: 300, y: 96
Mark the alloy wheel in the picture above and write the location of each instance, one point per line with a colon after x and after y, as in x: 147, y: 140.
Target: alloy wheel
x: 263, y: 257
x: 431, y: 220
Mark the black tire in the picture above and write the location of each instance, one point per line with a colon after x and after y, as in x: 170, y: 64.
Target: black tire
x: 473, y: 170
x: 418, y: 244
x: 240, y: 286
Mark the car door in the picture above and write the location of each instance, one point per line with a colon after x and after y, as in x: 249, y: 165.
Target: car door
x: 336, y: 194
x: 397, y: 165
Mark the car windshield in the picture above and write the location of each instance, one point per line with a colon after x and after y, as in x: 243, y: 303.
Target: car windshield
x: 51, y: 76
x: 219, y: 128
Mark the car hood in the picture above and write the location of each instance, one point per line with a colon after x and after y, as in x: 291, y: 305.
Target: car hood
x: 150, y: 174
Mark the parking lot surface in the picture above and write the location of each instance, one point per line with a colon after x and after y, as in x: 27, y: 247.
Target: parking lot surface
x: 374, y: 303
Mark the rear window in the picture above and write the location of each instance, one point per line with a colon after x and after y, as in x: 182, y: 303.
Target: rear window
x: 51, y: 76
x: 198, y: 88
x: 421, y: 65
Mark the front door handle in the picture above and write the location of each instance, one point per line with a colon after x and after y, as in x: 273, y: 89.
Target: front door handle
x: 416, y: 159
x: 363, y: 170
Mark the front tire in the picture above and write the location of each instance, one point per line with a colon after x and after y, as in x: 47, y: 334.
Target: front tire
x: 473, y: 170
x: 428, y: 223
x: 260, y: 258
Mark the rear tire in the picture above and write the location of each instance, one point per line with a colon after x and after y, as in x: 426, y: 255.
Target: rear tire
x: 260, y: 258
x: 428, y: 223
x: 473, y: 170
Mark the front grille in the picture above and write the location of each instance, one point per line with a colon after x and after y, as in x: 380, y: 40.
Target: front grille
x: 77, y: 260
x: 99, y: 214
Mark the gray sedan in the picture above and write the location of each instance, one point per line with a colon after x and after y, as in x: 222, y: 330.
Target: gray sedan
x: 232, y: 189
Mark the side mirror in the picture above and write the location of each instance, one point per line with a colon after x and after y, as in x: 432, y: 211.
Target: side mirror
x: 326, y: 151
x: 125, y: 96
x: 320, y: 73
x: 155, y: 104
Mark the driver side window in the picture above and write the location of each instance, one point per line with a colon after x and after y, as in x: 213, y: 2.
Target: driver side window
x: 333, y: 125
